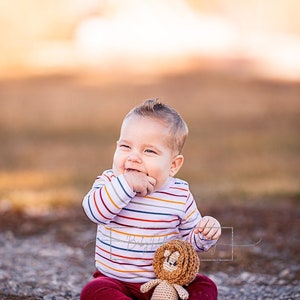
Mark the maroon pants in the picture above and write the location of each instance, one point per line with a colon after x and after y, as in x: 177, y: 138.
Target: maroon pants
x: 102, y: 287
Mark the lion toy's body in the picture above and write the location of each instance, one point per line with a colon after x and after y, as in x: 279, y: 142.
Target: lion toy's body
x: 164, y: 289
x: 175, y: 264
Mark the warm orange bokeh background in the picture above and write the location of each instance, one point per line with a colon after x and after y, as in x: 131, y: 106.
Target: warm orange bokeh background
x: 70, y: 70
x: 56, y: 35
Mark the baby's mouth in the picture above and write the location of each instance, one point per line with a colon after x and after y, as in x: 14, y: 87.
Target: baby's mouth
x: 134, y: 170
x: 131, y: 170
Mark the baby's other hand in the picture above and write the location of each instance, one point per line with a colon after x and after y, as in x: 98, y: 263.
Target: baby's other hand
x: 141, y: 183
x: 209, y: 228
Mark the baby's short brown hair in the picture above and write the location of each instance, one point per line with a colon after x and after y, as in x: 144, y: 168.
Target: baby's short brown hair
x: 153, y: 108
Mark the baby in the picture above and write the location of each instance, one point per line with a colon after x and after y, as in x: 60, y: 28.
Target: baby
x: 139, y: 205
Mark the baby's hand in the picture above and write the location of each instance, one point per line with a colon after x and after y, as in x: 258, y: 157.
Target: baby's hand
x: 140, y: 183
x: 209, y: 228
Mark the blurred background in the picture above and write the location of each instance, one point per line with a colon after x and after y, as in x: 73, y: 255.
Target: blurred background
x: 71, y: 69
x: 69, y: 72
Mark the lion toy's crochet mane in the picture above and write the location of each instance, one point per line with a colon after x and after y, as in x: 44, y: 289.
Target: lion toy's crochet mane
x: 175, y: 264
x: 188, y: 262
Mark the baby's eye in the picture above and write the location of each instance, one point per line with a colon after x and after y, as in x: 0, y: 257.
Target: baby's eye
x: 150, y: 151
x: 124, y: 146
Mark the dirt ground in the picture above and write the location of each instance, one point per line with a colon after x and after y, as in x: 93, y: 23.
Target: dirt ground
x: 265, y: 235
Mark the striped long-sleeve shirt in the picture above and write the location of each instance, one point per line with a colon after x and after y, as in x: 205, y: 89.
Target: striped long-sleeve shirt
x: 131, y: 228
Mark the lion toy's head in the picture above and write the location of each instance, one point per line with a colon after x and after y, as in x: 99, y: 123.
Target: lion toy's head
x: 176, y: 262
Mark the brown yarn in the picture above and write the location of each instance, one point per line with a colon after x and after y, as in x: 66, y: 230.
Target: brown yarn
x: 188, y: 262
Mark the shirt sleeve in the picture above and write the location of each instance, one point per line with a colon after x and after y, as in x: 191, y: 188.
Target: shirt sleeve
x: 107, y: 197
x: 189, y: 223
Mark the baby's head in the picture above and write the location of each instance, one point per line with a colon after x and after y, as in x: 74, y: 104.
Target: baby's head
x: 151, y: 140
x: 156, y: 110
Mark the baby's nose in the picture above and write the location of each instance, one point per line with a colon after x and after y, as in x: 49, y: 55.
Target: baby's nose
x: 135, y: 157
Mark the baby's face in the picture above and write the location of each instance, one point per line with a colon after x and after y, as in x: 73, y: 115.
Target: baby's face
x: 143, y: 146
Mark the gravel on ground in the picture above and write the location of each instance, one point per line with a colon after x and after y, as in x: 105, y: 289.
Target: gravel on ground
x: 51, y: 258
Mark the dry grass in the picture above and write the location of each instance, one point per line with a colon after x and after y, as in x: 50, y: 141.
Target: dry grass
x: 58, y: 132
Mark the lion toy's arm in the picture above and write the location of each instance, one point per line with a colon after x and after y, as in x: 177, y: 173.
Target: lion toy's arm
x: 147, y: 286
x: 182, y: 292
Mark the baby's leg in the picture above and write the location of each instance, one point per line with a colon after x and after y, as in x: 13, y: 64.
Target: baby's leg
x: 202, y: 288
x: 104, y: 288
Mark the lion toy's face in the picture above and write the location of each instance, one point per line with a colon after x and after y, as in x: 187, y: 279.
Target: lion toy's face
x: 177, y: 262
x: 170, y: 264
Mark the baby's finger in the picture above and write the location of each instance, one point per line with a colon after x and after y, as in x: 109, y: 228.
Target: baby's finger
x: 151, y: 180
x: 217, y: 234
x: 214, y: 233
x: 209, y: 226
x: 142, y: 193
x: 202, y: 224
x: 150, y: 189
x: 150, y: 185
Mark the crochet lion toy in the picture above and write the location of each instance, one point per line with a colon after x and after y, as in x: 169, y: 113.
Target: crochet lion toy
x: 175, y: 264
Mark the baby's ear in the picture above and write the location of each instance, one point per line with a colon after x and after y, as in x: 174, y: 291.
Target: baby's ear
x: 176, y: 164
x: 167, y: 253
